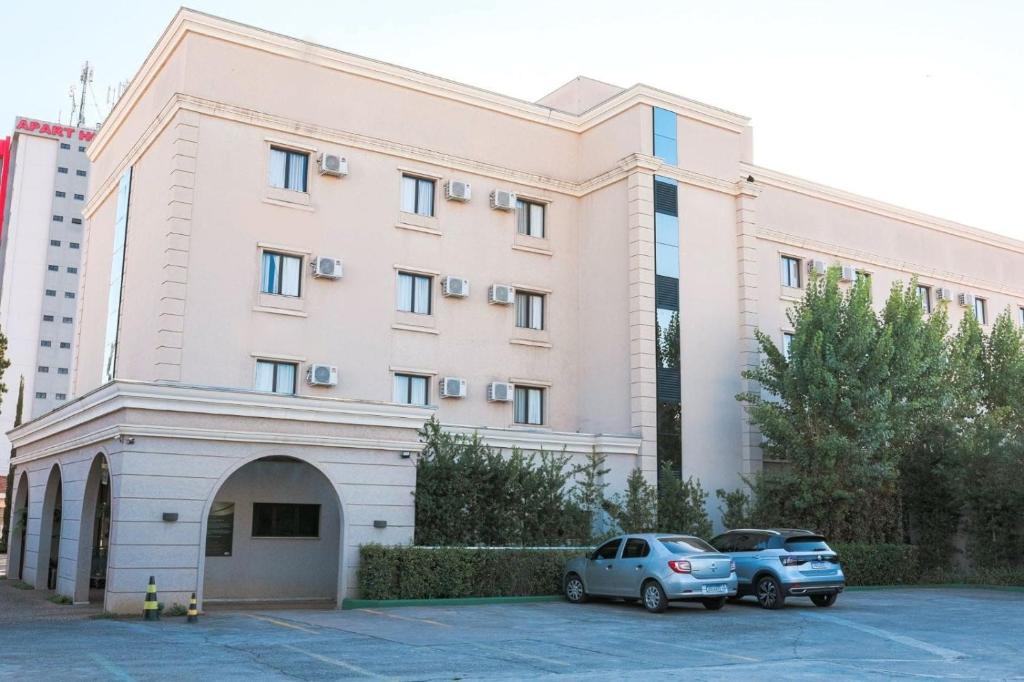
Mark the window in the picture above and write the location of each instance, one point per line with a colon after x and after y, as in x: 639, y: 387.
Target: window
x: 666, y: 230
x: 79, y: 197
x: 924, y: 293
x: 529, y: 310
x: 666, y: 146
x: 53, y: 268
x: 1020, y: 316
x: 276, y: 377
x: 62, y: 370
x: 72, y: 270
x: 45, y: 344
x: 51, y: 292
x: 685, y: 545
x: 65, y: 145
x: 281, y: 274
x: 220, y: 529
x: 411, y: 389
x: 69, y: 294
x: 414, y: 293
x: 417, y: 195
x: 65, y: 344
x: 80, y: 173
x: 791, y: 272
x: 67, y: 320
x: 60, y: 396
x: 54, y: 242
x: 530, y: 218
x: 43, y: 369
x: 81, y: 147
x: 979, y: 310
x: 635, y: 549
x: 40, y: 396
x: 47, y: 318
x: 76, y: 221
x: 787, y: 344
x: 608, y: 550
x: 529, y: 405
x: 73, y: 245
x: 277, y: 520
x: 62, y: 169
x: 60, y: 194
x: 58, y: 218
x: 288, y: 169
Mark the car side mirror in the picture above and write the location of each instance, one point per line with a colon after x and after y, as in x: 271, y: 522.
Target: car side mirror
x: 593, y: 555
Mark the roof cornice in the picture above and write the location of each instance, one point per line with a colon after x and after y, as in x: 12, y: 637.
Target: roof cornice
x: 190, y: 21
x: 772, y: 178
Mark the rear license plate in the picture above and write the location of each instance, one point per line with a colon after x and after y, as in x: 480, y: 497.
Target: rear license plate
x: 819, y: 565
x: 715, y: 589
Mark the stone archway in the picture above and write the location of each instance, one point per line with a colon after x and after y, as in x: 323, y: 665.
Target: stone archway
x: 18, y: 533
x: 94, y: 533
x: 273, y: 533
x: 48, y: 551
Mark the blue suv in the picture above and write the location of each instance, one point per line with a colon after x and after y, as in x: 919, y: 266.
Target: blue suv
x: 776, y: 563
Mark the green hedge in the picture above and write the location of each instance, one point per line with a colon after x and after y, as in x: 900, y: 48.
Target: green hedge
x: 445, y: 572
x: 438, y: 573
x: 865, y: 564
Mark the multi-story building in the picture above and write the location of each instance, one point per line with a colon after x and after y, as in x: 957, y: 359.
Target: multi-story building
x: 42, y: 193
x: 295, y: 256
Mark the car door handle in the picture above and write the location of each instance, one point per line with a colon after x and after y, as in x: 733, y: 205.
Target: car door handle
x: 608, y: 568
x: 639, y: 566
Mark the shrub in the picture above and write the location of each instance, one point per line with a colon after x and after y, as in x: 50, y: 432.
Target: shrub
x: 682, y: 504
x: 734, y: 508
x: 868, y: 564
x: 446, y: 572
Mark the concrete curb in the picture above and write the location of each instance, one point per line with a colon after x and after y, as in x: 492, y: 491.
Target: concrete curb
x: 349, y: 604
x: 939, y: 586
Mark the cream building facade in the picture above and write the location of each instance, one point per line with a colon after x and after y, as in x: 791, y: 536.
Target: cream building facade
x: 605, y: 272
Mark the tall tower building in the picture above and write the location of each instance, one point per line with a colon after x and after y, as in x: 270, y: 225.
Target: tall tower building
x: 45, y: 181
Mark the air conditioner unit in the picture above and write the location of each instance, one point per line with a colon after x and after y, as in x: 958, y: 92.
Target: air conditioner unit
x: 503, y: 200
x: 966, y: 300
x: 455, y: 286
x: 322, y: 375
x: 501, y: 294
x: 500, y: 392
x: 453, y: 387
x: 944, y: 294
x: 457, y: 190
x: 817, y: 266
x: 333, y: 164
x: 327, y: 267
x: 849, y: 273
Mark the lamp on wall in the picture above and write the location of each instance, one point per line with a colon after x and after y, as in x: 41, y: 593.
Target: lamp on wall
x: 380, y: 523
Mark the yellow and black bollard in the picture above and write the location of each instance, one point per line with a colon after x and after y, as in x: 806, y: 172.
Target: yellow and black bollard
x: 193, y: 612
x: 150, y: 610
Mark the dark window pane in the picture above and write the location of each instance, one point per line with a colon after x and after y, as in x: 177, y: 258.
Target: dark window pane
x: 220, y: 529
x: 278, y: 520
x: 608, y: 550
x: 635, y: 548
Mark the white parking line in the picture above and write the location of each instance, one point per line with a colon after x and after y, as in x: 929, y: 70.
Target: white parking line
x: 498, y: 649
x: 336, y: 662
x: 414, y: 620
x: 706, y: 650
x: 945, y: 654
x: 112, y: 669
x: 275, y: 621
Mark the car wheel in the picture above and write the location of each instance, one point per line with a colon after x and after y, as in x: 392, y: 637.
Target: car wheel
x: 654, y: 597
x: 824, y: 600
x: 769, y: 593
x: 574, y: 591
x: 714, y: 604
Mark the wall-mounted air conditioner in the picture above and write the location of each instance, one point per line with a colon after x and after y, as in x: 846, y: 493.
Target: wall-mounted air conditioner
x: 333, y: 164
x: 817, y: 266
x: 500, y: 392
x: 453, y: 387
x: 944, y: 294
x: 322, y: 375
x: 455, y: 286
x: 457, y: 190
x: 849, y: 273
x: 966, y: 300
x: 326, y: 267
x: 501, y: 294
x: 503, y: 200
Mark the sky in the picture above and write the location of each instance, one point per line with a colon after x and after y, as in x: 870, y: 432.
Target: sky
x: 919, y: 103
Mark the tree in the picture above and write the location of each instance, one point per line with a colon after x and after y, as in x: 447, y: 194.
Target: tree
x: 636, y: 511
x: 588, y: 497
x: 827, y: 415
x: 682, y: 504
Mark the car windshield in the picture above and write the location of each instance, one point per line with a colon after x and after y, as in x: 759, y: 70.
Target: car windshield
x: 685, y: 545
x: 810, y: 543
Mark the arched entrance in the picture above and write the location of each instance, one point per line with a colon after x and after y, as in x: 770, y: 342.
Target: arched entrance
x: 94, y: 535
x: 273, y: 533
x: 48, y: 558
x: 19, y: 530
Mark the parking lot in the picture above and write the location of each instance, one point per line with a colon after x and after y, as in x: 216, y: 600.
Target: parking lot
x: 954, y: 633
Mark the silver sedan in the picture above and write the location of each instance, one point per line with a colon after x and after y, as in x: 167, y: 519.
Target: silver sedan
x: 654, y: 567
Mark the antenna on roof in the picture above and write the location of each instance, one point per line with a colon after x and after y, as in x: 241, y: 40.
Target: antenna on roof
x: 85, y: 79
x: 74, y: 105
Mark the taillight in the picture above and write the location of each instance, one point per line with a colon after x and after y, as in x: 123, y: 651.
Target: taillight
x: 791, y: 560
x: 680, y: 566
x: 732, y: 566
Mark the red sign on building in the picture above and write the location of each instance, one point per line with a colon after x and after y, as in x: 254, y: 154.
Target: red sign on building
x: 29, y: 125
